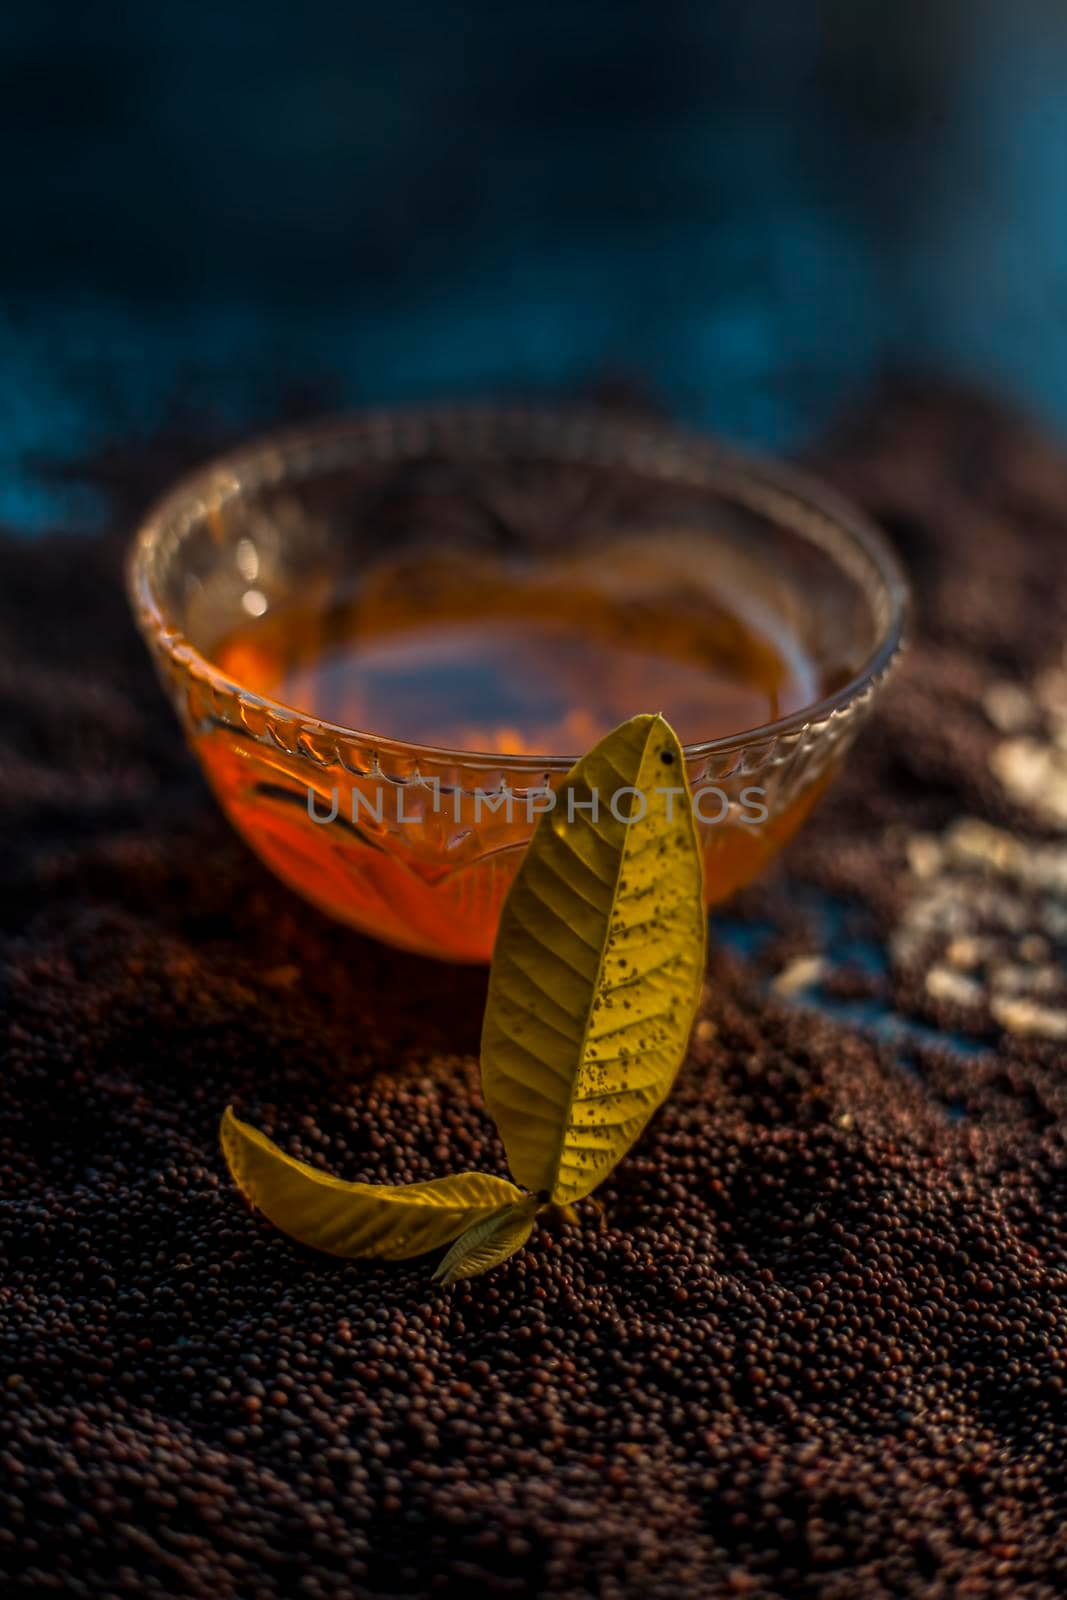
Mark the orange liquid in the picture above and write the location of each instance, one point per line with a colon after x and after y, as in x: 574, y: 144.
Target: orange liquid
x: 473, y: 657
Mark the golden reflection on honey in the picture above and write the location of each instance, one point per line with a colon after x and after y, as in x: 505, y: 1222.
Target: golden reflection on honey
x: 473, y: 655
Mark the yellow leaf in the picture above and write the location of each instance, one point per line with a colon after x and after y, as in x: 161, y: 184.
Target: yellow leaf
x: 356, y: 1219
x: 598, y: 965
x: 490, y: 1242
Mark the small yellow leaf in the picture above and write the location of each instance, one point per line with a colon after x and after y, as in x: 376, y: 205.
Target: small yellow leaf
x: 356, y: 1219
x: 598, y: 965
x: 490, y: 1242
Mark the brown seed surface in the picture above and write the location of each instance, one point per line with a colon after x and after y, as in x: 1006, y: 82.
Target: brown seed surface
x: 816, y: 1346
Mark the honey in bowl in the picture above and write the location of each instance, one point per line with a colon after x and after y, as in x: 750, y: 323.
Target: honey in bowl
x: 470, y: 654
x: 389, y: 636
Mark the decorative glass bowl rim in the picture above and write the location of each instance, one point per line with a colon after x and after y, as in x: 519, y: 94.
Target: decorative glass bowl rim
x: 654, y: 449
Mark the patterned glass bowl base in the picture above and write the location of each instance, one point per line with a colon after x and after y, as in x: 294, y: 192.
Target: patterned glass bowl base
x: 416, y: 843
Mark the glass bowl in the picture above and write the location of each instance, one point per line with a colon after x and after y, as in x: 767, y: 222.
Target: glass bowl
x: 403, y: 840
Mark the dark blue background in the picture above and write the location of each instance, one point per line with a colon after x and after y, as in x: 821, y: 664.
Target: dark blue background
x: 746, y: 208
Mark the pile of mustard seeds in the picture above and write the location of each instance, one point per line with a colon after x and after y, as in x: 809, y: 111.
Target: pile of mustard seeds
x: 815, y: 1345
